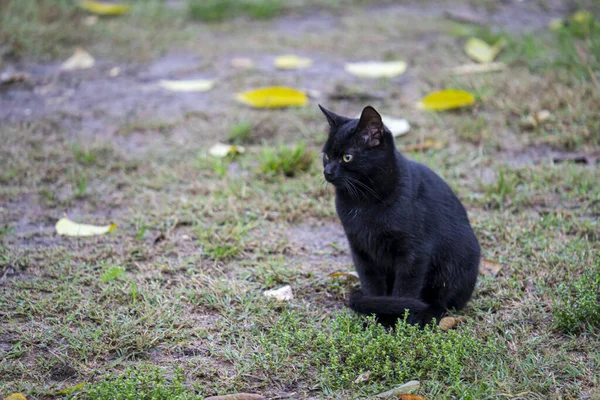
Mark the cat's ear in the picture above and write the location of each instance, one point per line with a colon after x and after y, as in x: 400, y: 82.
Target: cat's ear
x: 370, y: 127
x: 333, y: 119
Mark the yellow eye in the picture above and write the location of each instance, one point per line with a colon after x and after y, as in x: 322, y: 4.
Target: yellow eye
x: 326, y: 156
x: 347, y: 157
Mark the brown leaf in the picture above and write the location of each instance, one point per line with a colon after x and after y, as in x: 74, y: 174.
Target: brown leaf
x: 347, y: 274
x: 489, y: 267
x: 13, y: 77
x: 411, y: 397
x: 237, y: 396
x: 426, y: 145
x: 448, y: 323
x: 363, y: 377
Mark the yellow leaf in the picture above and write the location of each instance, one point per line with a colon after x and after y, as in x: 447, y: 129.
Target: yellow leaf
x: 446, y: 100
x: 15, y: 396
x: 66, y: 227
x: 101, y: 8
x: 347, y: 274
x: 402, y: 389
x: 292, y: 62
x: 273, y: 97
x: 281, y: 294
x: 375, y: 69
x: 192, y: 85
x: 482, y: 52
x: 489, y: 267
x: 223, y: 150
x: 81, y: 59
x: 469, y: 69
x: 426, y: 145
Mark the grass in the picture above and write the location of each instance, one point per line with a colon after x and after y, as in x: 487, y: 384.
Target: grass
x: 170, y: 304
x: 219, y: 10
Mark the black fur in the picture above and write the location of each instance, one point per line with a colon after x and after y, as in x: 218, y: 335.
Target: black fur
x: 409, y: 235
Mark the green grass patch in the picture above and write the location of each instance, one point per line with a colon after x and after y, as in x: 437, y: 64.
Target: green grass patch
x: 288, y: 160
x: 577, y: 303
x: 219, y: 10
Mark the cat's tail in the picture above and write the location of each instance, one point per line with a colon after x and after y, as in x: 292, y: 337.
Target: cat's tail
x: 389, y: 309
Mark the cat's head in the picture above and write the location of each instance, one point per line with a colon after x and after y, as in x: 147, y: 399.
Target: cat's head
x: 356, y: 149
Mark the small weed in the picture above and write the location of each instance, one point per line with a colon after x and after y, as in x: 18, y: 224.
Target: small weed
x: 145, y: 382
x: 79, y: 184
x: 113, y: 273
x: 240, y: 133
x: 223, y: 242
x: 577, y: 304
x: 287, y: 160
x: 83, y: 157
x: 503, y: 188
x: 219, y: 166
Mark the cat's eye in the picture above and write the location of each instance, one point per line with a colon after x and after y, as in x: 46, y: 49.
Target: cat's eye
x: 347, y: 157
x: 325, y: 156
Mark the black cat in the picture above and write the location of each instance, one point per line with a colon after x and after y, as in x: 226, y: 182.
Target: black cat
x: 410, y: 237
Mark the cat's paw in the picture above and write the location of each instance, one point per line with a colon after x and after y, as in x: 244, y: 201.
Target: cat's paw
x: 354, y: 299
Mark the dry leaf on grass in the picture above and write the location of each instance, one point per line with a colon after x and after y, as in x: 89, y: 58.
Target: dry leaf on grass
x: 66, y: 227
x: 469, y: 69
x: 376, y: 69
x: 273, y: 97
x: 536, y: 119
x: 448, y: 323
x: 81, y: 59
x: 282, y: 294
x: 426, y: 145
x: 190, y: 85
x: 223, y: 150
x: 15, y: 396
x: 482, y: 52
x: 402, y: 389
x: 489, y: 267
x: 292, y: 62
x: 102, y: 8
x: 237, y: 396
x: 242, y: 62
x: 363, y: 377
x: 411, y: 397
x: 347, y: 274
x: 446, y: 100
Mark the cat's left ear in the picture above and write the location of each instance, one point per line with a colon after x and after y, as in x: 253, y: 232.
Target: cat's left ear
x: 370, y: 127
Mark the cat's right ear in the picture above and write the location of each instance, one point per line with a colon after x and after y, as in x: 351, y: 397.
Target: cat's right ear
x: 333, y: 119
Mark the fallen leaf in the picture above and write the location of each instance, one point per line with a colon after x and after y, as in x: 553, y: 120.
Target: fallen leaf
x: 81, y: 59
x: 223, y: 150
x: 489, y: 267
x: 90, y: 20
x: 283, y: 294
x: 15, y: 396
x: 411, y: 397
x: 237, y: 396
x: 242, y: 62
x: 469, y: 69
x: 536, y: 119
x: 447, y: 323
x: 13, y: 77
x: 482, y: 52
x: 191, y: 85
x: 66, y: 227
x: 273, y: 97
x: 402, y: 389
x: 446, y: 100
x: 101, y: 8
x: 426, y: 145
x: 292, y: 62
x: 376, y: 69
x: 363, y: 377
x: 114, y: 72
x: 347, y: 274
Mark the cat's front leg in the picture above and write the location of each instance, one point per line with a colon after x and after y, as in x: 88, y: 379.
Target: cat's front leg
x: 372, y: 278
x: 409, y: 276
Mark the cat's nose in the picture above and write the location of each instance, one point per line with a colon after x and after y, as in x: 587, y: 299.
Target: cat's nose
x: 328, y: 172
